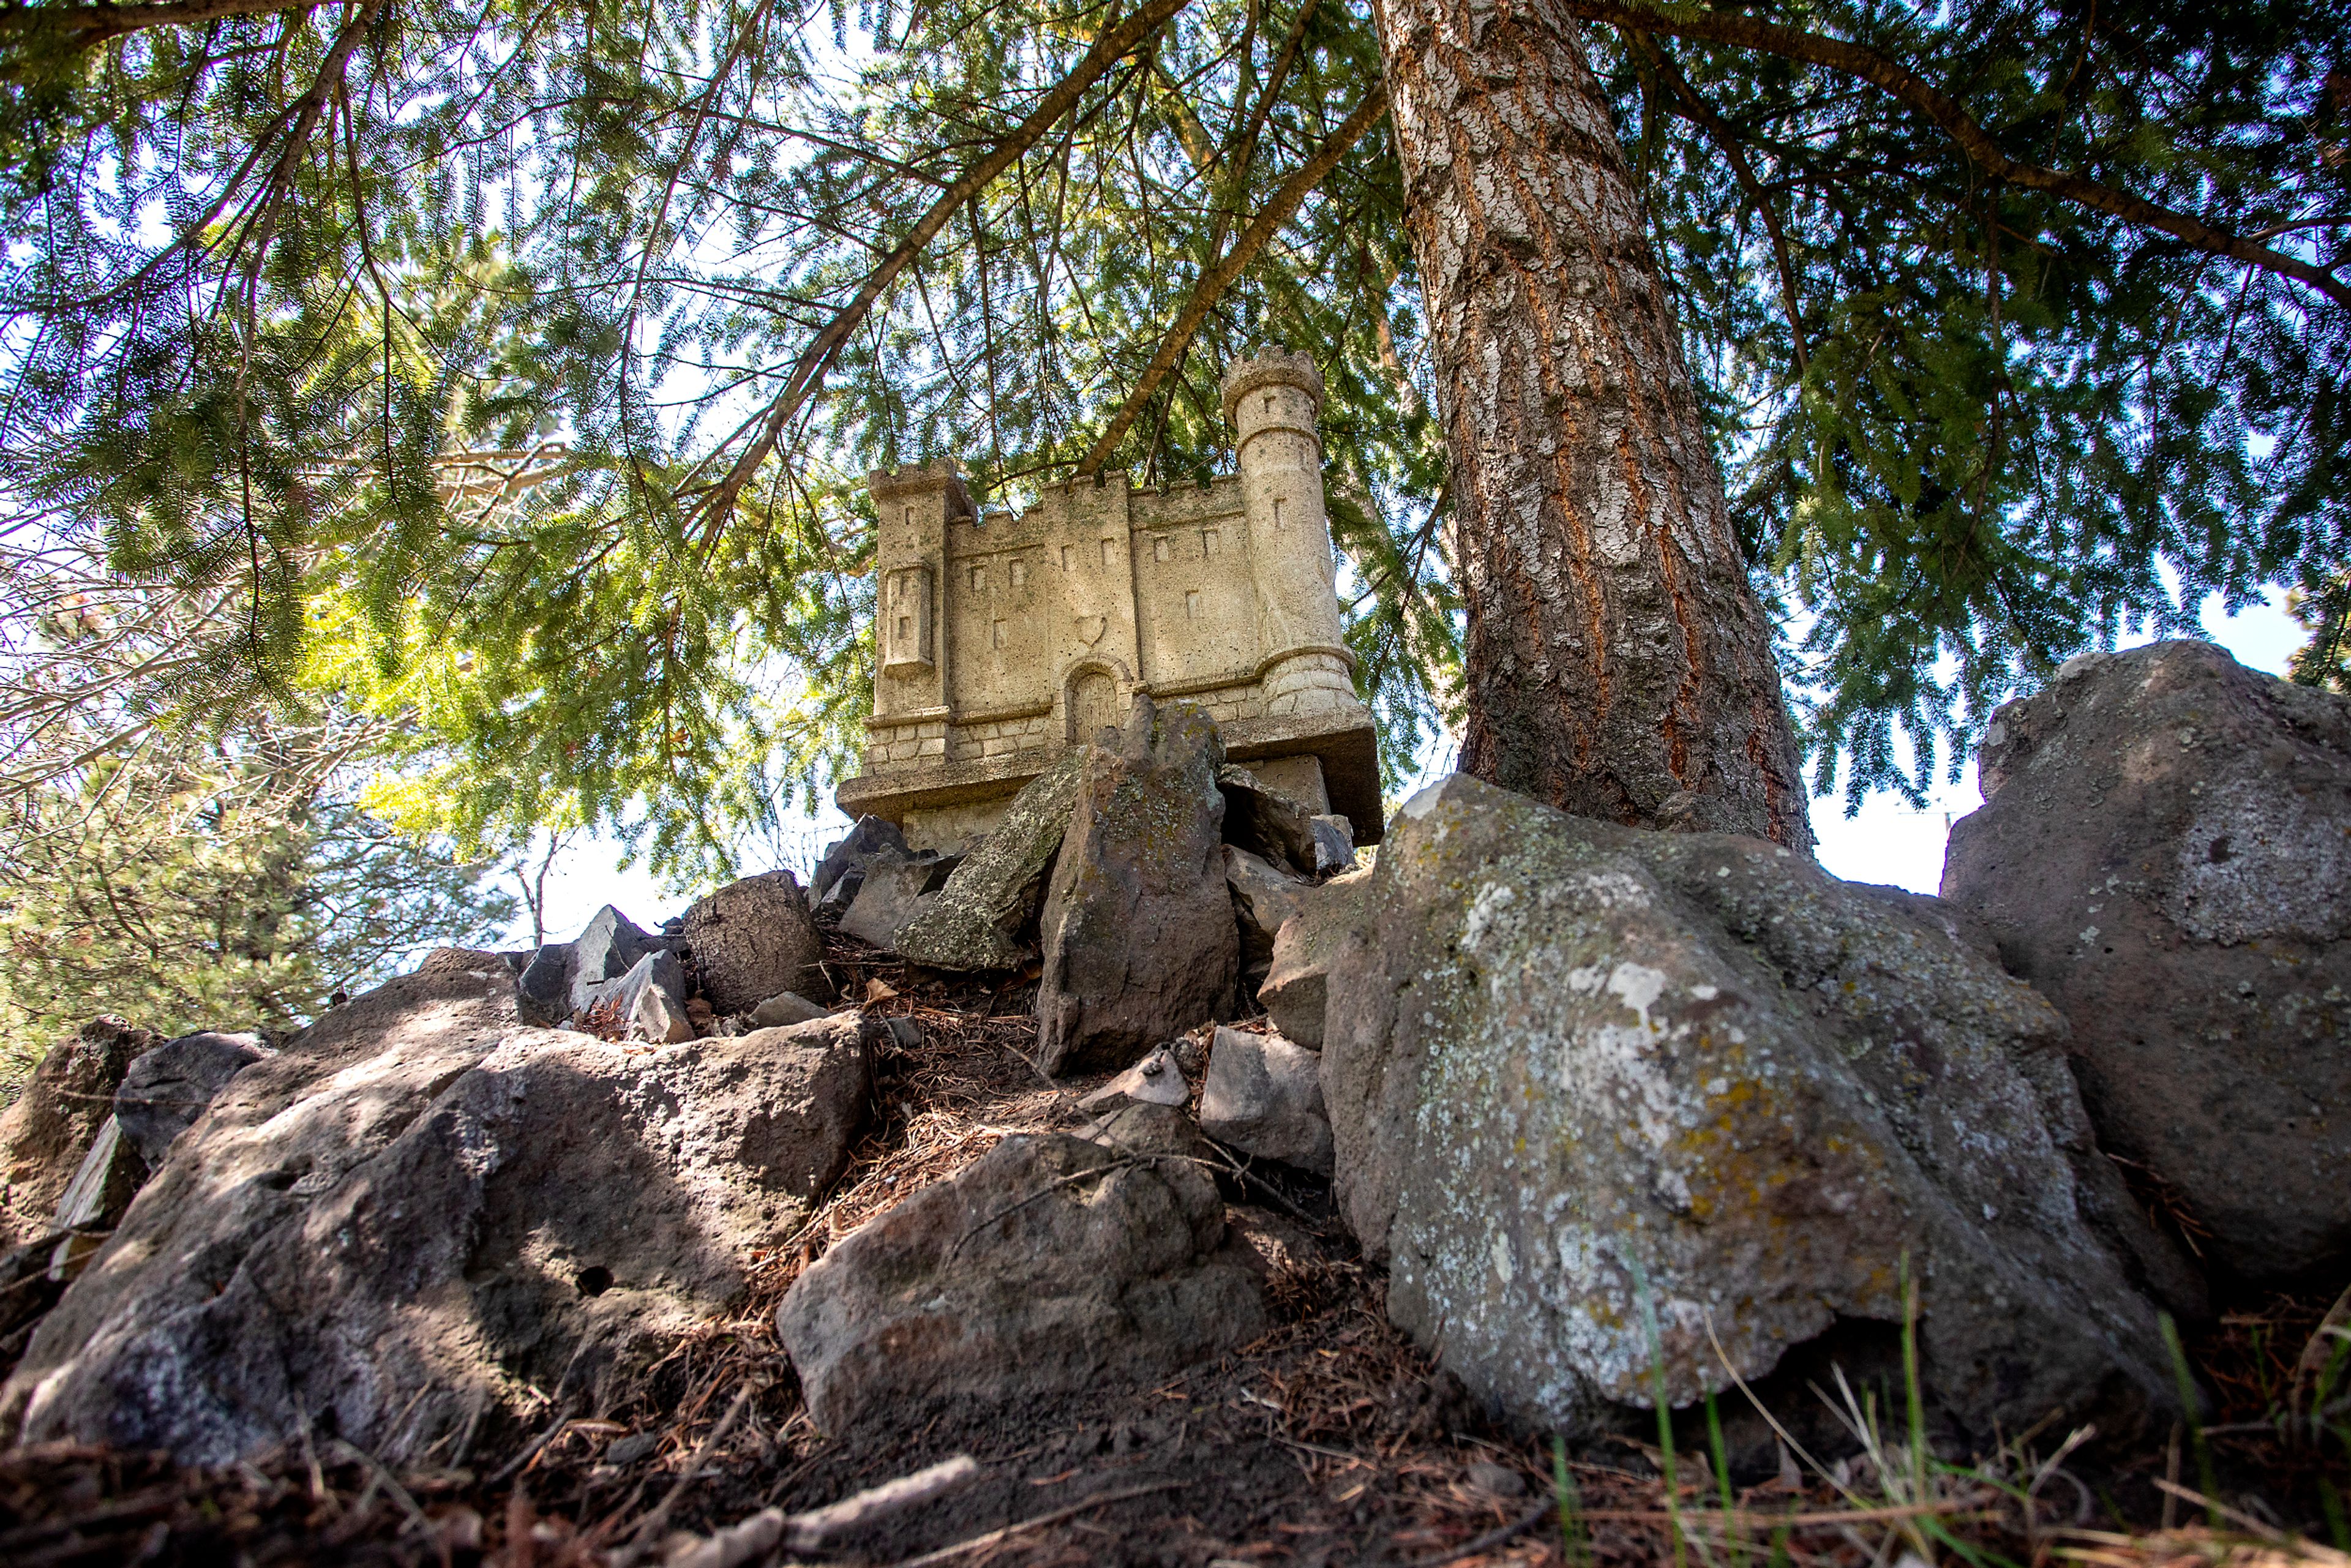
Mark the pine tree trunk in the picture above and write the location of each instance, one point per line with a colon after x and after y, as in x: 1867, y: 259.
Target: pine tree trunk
x: 1618, y: 664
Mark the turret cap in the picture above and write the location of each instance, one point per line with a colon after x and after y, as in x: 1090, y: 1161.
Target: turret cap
x: 1273, y: 367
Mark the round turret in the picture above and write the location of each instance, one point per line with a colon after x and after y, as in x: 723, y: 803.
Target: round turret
x: 1272, y: 398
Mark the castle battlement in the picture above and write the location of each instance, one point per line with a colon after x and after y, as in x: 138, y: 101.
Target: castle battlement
x: 1001, y: 643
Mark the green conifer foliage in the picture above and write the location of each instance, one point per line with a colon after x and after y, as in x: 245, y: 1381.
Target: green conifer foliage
x: 513, y: 369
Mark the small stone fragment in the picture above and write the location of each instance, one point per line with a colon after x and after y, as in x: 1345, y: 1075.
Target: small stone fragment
x: 1264, y: 1097
x: 1154, y: 1080
x: 783, y: 1007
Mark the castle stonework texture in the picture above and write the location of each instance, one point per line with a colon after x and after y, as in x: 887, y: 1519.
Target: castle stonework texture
x: 1001, y: 645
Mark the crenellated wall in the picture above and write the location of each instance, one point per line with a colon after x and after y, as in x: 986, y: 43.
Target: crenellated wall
x: 1001, y: 643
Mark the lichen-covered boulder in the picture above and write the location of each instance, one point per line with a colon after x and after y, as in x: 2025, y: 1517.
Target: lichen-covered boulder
x: 1052, y: 1264
x: 983, y: 914
x: 2165, y: 853
x: 753, y: 938
x: 49, y: 1126
x: 423, y: 1220
x: 1138, y: 931
x: 1568, y: 1063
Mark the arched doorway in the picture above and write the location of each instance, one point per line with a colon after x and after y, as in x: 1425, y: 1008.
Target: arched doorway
x: 1091, y: 701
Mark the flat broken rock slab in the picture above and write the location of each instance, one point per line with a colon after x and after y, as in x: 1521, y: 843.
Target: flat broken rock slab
x: 979, y: 916
x: 422, y: 1208
x: 1569, y: 1064
x: 1052, y: 1264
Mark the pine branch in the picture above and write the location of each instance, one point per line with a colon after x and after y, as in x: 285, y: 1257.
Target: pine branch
x: 807, y: 374
x: 1858, y: 60
x: 1277, y: 211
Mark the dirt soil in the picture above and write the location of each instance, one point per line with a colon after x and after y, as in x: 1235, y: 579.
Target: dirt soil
x: 1328, y: 1442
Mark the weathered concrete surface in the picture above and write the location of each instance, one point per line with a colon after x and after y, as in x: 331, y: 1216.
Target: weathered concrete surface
x: 2165, y: 853
x: 1566, y: 1062
x: 1138, y: 930
x: 753, y: 938
x: 422, y: 1208
x: 1264, y: 1097
x: 167, y: 1089
x: 982, y: 914
x: 1052, y: 1264
x: 47, y: 1128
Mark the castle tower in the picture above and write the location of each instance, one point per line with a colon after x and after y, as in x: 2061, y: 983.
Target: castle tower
x: 1272, y: 400
x: 914, y: 507
x: 1000, y: 645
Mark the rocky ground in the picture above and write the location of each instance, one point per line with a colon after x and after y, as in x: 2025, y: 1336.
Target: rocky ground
x: 1328, y: 1440
x: 1144, y: 1185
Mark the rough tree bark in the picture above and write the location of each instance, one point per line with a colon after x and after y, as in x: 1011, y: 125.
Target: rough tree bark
x: 1618, y: 664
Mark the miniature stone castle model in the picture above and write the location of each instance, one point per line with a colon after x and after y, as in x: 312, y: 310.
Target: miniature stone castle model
x: 1000, y: 645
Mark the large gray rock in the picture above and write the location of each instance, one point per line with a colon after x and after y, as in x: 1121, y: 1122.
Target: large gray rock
x: 838, y: 876
x: 1567, y: 1063
x: 1052, y: 1264
x: 1328, y: 919
x: 1264, y: 896
x: 982, y: 916
x: 422, y: 1210
x: 753, y: 938
x: 893, y: 890
x: 1264, y: 1097
x: 2165, y: 853
x: 167, y: 1089
x: 561, y: 981
x: 1139, y: 939
x: 49, y: 1126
